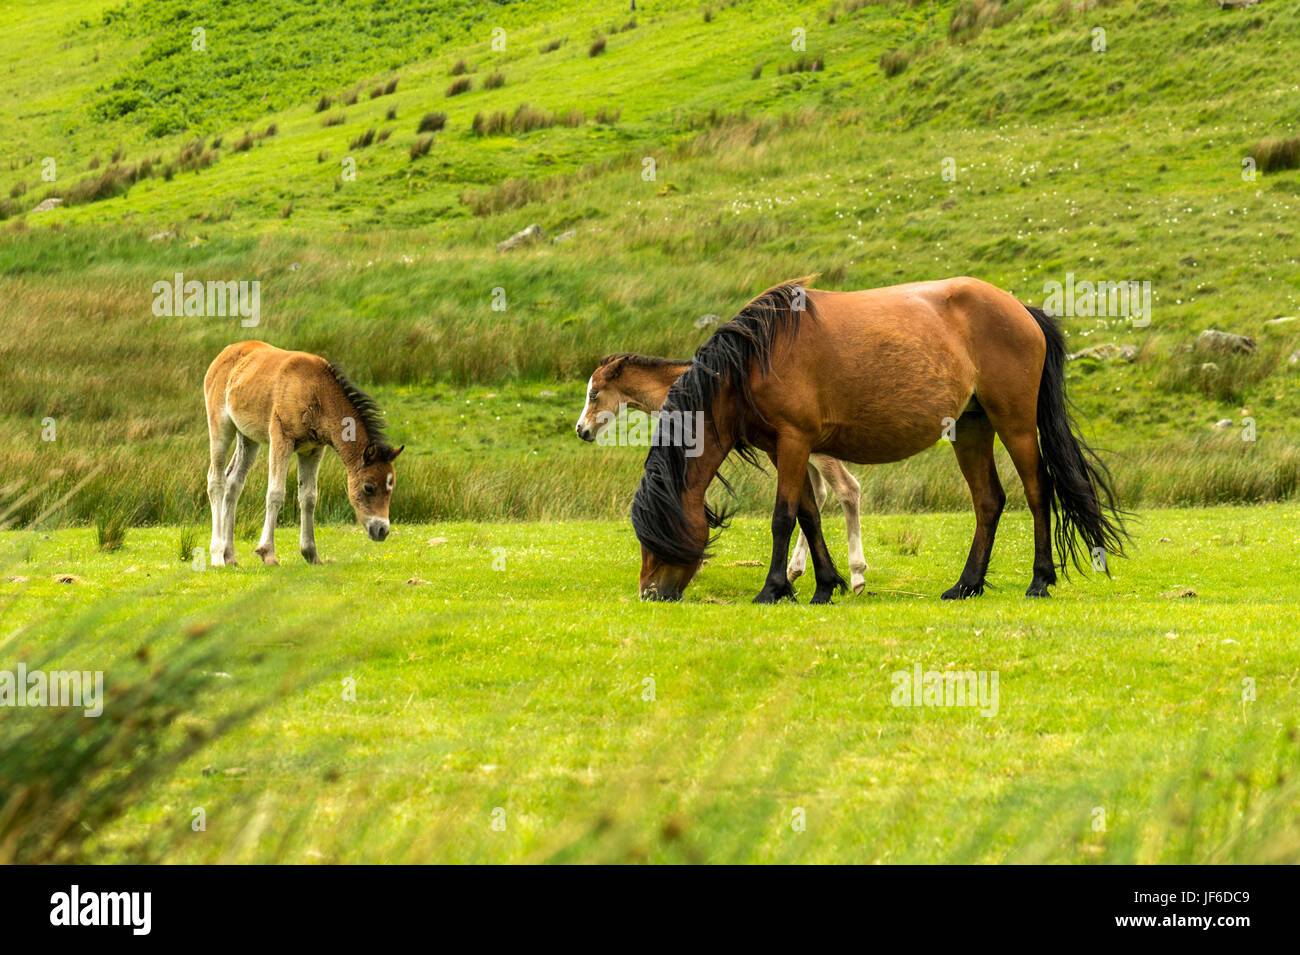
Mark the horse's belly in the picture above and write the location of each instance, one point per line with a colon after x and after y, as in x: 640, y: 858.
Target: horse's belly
x: 879, y: 439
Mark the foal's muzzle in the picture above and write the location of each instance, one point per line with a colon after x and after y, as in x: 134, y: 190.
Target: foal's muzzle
x: 584, y: 432
x: 377, y: 528
x: 654, y: 594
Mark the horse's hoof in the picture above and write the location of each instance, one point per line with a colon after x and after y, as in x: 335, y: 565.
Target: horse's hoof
x: 859, y: 583
x: 310, y: 557
x: 766, y: 596
x: 793, y: 573
x: 1038, y: 590
x: 960, y: 591
x: 821, y: 598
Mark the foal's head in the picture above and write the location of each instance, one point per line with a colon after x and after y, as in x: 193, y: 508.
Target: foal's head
x: 370, y: 488
x: 637, y: 381
x: 603, y: 398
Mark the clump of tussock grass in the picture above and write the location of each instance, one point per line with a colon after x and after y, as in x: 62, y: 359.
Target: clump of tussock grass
x: 607, y: 116
x: 432, y: 122
x: 597, y: 47
x: 805, y: 63
x: 1273, y: 154
x: 462, y: 85
x: 113, y: 181
x: 270, y: 131
x: 364, y: 140
x: 324, y: 103
x: 525, y: 119
x: 335, y: 119
x: 286, y: 211
x: 970, y: 18
x: 494, y: 81
x: 350, y: 98
x: 893, y: 62
x: 552, y: 46
x: 17, y: 190
x: 243, y: 144
x: 383, y: 135
x: 391, y: 114
x: 459, y: 68
x: 187, y: 543
x: 94, y: 163
x: 110, y: 531
x: 118, y: 155
x: 421, y: 147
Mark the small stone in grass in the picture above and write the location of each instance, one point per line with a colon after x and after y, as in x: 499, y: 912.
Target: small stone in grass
x: 416, y: 580
x: 67, y: 579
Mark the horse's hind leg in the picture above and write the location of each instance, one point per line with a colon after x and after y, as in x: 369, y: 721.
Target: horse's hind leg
x: 236, y: 474
x: 849, y: 493
x: 280, y: 451
x: 308, y: 468
x: 1022, y: 445
x: 799, y: 562
x: 221, y: 432
x: 973, y: 442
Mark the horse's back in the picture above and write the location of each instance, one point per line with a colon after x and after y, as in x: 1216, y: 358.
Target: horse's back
x: 252, y: 381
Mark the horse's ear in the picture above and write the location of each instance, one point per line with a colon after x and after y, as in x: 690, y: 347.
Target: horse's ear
x: 615, y: 367
x: 393, y: 453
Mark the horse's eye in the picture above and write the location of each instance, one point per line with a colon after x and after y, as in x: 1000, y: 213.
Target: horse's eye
x: 592, y: 396
x: 369, y: 489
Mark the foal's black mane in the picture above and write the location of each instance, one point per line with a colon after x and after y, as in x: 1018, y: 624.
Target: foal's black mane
x: 724, y: 360
x: 368, y: 413
x: 643, y: 361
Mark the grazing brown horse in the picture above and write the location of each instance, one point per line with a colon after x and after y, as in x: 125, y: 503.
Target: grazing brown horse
x: 641, y: 383
x: 296, y: 403
x: 871, y: 377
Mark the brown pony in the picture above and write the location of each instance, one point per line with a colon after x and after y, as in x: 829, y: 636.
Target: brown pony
x: 871, y: 377
x: 296, y: 403
x: 641, y: 383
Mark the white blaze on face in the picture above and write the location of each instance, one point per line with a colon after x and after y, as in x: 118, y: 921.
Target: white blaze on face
x: 586, y: 400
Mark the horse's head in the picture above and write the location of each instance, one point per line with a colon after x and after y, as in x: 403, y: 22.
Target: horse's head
x: 661, y: 580
x: 604, y: 396
x: 370, y: 488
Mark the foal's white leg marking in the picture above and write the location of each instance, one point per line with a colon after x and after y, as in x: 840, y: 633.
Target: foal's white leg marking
x: 799, y: 562
x: 280, y: 453
x: 236, y: 474
x: 218, y: 446
x: 308, y: 467
x: 849, y: 492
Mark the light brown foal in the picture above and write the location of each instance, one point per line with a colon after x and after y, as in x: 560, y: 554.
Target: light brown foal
x: 641, y: 382
x: 296, y: 403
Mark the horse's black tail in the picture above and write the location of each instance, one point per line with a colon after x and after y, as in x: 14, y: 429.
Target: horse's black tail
x: 1080, y: 486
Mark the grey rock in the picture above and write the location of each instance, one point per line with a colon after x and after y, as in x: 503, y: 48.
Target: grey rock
x: 534, y: 233
x: 1213, y: 340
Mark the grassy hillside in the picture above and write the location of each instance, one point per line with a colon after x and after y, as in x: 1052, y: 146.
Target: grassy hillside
x: 770, y: 162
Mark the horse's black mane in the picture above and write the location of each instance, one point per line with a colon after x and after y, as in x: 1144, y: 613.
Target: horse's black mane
x: 657, y: 515
x: 368, y: 413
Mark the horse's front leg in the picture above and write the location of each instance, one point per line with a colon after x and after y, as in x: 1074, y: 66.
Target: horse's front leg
x: 308, y: 467
x: 281, y: 451
x: 810, y: 521
x: 791, y: 476
x: 799, y: 562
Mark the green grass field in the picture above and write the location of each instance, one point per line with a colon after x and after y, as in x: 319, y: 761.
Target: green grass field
x: 680, y: 159
x: 513, y: 676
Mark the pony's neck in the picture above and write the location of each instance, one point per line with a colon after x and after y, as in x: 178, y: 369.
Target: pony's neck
x: 342, y: 428
x: 646, y: 386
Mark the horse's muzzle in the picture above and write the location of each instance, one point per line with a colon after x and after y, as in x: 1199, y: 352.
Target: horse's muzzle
x: 377, y: 528
x: 653, y: 593
x: 584, y: 433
